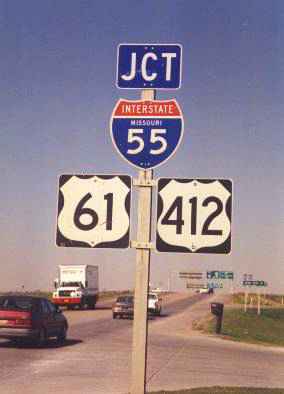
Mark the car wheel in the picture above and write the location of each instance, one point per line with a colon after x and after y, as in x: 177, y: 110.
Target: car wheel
x: 17, y: 341
x: 41, y: 338
x: 114, y: 315
x: 61, y: 337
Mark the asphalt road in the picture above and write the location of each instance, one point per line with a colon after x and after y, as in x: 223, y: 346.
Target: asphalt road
x: 97, y: 356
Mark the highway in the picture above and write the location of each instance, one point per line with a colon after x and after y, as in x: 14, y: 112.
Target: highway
x: 97, y: 355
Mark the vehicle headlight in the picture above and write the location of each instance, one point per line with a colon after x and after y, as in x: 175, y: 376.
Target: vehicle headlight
x: 76, y: 294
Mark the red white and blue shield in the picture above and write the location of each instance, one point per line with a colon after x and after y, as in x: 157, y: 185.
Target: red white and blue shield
x: 146, y: 133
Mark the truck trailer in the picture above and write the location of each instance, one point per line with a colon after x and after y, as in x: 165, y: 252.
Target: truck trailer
x: 76, y: 286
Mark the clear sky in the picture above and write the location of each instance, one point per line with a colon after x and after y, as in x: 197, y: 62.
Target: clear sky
x: 57, y: 69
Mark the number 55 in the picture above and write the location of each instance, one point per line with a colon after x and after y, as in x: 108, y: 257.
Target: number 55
x: 154, y: 137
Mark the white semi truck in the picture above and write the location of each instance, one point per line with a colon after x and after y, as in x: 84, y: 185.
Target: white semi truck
x: 76, y: 286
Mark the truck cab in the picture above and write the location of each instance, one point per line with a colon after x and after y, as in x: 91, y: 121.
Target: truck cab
x: 77, y: 286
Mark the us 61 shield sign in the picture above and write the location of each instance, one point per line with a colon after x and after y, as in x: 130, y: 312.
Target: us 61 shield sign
x: 93, y: 211
x: 146, y: 133
x: 194, y: 215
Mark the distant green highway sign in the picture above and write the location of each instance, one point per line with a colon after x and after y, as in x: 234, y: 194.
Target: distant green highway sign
x: 254, y: 283
x: 191, y: 275
x: 220, y: 275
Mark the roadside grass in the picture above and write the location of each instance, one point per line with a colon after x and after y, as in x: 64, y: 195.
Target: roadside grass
x: 36, y: 293
x: 267, y: 328
x: 224, y: 390
x: 104, y: 295
x: 267, y: 299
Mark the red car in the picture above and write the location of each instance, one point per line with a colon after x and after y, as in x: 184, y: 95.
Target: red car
x: 31, y: 318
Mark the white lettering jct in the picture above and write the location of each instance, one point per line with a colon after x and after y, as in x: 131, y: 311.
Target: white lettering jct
x: 168, y: 56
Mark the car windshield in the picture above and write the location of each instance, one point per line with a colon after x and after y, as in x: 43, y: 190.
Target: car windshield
x: 152, y: 296
x: 127, y: 299
x: 16, y: 303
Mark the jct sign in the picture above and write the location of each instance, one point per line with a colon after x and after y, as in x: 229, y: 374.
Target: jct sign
x: 149, y: 66
x: 194, y: 215
x: 146, y: 133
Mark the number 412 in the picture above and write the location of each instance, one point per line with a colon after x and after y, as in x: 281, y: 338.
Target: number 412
x: 177, y: 209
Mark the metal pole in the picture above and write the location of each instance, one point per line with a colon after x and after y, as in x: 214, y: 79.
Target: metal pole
x: 246, y: 299
x: 143, y: 255
x: 258, y: 302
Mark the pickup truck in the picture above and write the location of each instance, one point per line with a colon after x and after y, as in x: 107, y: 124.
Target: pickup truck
x: 154, y: 304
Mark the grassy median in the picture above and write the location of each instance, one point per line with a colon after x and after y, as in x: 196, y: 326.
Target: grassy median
x: 266, y: 328
x: 224, y: 390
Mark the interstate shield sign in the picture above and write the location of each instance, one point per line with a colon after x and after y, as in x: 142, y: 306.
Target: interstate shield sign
x: 146, y: 133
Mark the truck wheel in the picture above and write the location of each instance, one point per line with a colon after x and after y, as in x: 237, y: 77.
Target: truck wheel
x: 82, y: 304
x: 92, y: 304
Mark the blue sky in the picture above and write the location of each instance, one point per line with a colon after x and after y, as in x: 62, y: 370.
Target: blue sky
x: 58, y: 63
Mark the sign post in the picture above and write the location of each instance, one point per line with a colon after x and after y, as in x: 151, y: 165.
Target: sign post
x: 248, y: 282
x: 246, y: 300
x: 258, y: 302
x: 146, y: 133
x: 143, y: 254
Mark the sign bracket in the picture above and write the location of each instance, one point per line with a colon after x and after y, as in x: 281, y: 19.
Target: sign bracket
x: 141, y: 245
x: 144, y: 182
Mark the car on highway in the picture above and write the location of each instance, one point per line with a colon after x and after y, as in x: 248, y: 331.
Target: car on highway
x: 154, y: 304
x: 206, y: 290
x: 123, y: 307
x: 31, y: 318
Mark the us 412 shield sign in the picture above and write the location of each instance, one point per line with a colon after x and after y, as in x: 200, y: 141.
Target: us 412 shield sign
x: 194, y: 215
